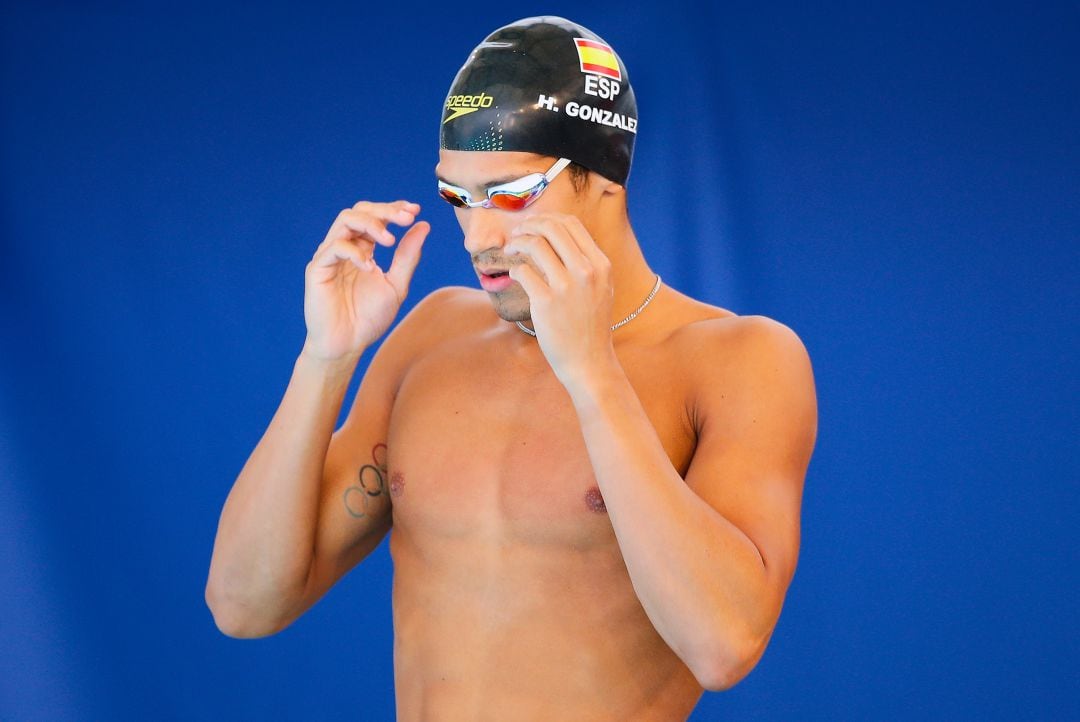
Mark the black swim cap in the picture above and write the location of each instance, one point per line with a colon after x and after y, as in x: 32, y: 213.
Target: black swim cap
x: 545, y: 85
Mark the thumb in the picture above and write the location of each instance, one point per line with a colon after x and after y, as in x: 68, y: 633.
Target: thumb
x: 406, y: 256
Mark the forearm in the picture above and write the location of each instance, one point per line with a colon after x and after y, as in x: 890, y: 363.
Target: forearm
x: 698, y: 577
x: 265, y: 537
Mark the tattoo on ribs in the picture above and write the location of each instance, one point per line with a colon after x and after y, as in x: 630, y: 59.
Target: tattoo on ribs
x: 371, y: 483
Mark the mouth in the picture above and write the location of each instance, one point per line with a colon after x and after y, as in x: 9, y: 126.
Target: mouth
x: 494, y: 279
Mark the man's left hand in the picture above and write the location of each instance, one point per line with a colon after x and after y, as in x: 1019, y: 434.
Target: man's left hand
x: 568, y: 281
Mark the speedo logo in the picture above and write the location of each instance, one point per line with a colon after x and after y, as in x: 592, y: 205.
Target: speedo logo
x: 460, y: 105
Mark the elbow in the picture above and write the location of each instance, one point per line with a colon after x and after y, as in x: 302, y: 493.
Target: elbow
x: 716, y: 677
x: 239, y: 626
x: 718, y: 668
x: 239, y: 620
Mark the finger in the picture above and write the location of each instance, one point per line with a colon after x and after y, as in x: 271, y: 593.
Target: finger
x: 539, y: 251
x: 401, y: 213
x: 406, y: 257
x: 366, y: 222
x: 558, y: 235
x: 356, y: 230
x: 531, y: 282
x: 338, y: 251
x: 585, y: 242
x: 363, y: 226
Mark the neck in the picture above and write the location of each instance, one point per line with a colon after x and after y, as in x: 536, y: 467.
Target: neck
x: 630, y: 274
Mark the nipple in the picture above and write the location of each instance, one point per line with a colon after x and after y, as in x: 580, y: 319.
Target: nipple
x: 397, y: 484
x: 595, y: 500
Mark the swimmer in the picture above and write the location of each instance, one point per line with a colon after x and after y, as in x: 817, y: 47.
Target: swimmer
x: 592, y: 482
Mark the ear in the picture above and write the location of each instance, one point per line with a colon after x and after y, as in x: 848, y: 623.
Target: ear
x: 614, y: 189
x: 602, y: 186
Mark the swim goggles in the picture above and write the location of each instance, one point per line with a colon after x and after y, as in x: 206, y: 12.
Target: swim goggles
x: 512, y: 196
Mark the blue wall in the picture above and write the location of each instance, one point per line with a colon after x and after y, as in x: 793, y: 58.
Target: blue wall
x: 896, y: 182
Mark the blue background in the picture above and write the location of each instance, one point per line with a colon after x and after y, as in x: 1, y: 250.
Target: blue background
x: 898, y: 183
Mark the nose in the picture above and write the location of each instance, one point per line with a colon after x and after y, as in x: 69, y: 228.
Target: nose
x: 484, y: 228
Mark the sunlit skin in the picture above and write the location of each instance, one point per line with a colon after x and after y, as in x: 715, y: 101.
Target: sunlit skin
x: 522, y: 565
x: 586, y: 524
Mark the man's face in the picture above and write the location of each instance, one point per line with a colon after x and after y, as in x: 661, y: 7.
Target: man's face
x: 487, y: 230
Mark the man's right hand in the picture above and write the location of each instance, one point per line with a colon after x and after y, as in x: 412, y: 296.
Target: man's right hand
x: 349, y: 302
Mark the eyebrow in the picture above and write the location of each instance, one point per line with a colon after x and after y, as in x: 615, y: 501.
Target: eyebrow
x: 492, y: 182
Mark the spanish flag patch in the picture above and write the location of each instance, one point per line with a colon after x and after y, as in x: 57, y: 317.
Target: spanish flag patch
x: 597, y: 58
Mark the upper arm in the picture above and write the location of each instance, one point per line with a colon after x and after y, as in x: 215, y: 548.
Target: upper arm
x: 354, y: 497
x: 756, y: 415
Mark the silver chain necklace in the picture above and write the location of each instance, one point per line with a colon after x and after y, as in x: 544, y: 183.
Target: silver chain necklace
x: 628, y: 319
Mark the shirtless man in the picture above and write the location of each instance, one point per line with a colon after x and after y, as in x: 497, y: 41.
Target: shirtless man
x: 585, y: 523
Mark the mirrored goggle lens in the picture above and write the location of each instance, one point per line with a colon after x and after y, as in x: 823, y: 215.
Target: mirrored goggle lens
x: 453, y: 197
x: 513, y: 201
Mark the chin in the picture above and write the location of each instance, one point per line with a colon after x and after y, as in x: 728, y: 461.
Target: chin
x: 511, y: 306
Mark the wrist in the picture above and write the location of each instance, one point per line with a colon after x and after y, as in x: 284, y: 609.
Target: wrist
x: 595, y: 380
x: 340, y: 366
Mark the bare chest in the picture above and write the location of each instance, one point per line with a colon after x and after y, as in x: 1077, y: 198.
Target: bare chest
x: 483, y: 449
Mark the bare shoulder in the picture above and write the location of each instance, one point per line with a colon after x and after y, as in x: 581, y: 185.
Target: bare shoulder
x: 736, y: 365
x: 709, y: 337
x: 750, y: 338
x: 445, y: 313
x: 451, y: 308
